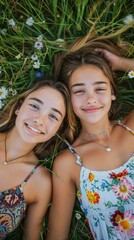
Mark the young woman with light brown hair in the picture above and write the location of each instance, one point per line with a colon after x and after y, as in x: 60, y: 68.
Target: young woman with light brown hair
x: 99, y: 165
x: 28, y: 128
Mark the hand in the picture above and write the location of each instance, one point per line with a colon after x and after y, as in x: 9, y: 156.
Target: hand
x: 113, y: 60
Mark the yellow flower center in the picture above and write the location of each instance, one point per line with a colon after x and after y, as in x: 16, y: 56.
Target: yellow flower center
x: 125, y: 224
x: 123, y: 189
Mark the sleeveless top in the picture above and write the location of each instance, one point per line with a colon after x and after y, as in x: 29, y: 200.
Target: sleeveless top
x: 107, y: 199
x: 13, y: 207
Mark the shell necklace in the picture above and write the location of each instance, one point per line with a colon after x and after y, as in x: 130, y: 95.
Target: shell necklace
x: 103, y: 133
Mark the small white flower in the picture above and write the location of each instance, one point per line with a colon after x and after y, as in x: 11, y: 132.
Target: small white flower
x: 34, y: 57
x: 14, y: 92
x: 78, y: 216
x: 3, y: 92
x: 12, y: 22
x: 0, y: 69
x: 129, y: 19
x: 36, y: 65
x: 38, y: 45
x: 39, y: 39
x: 3, y: 31
x: 131, y: 74
x: 30, y: 21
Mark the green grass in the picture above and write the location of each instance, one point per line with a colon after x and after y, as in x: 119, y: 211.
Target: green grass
x: 63, y: 19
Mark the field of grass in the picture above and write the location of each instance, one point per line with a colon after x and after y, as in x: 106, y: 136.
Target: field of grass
x: 31, y: 32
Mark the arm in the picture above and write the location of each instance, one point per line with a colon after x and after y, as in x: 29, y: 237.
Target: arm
x: 117, y: 62
x: 63, y: 199
x: 36, y: 211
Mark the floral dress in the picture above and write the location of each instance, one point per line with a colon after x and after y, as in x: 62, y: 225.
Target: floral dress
x: 107, y: 200
x: 12, y: 207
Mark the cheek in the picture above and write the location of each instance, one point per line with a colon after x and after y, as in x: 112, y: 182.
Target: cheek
x: 54, y: 127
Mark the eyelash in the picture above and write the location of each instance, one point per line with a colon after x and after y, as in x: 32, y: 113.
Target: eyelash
x: 53, y: 117
x: 100, y: 89
x: 35, y: 107
x: 79, y: 91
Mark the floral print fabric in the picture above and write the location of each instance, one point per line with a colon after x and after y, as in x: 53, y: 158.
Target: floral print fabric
x: 12, y: 210
x: 107, y: 199
x: 13, y: 207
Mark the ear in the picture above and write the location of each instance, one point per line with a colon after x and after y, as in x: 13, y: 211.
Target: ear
x: 113, y: 97
x: 17, y: 111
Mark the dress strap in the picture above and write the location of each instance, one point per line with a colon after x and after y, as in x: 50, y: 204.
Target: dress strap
x: 78, y: 159
x: 118, y: 121
x: 30, y: 174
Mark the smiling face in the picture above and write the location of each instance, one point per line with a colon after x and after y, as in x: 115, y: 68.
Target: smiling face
x: 90, y: 94
x: 40, y: 115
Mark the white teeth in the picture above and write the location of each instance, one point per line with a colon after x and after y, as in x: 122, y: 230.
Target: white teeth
x: 33, y: 129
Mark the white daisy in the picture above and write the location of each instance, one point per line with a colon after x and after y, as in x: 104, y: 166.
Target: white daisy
x: 129, y: 19
x: 30, y: 21
x: 34, y: 57
x: 38, y: 45
x: 3, y: 92
x: 36, y: 65
x: 131, y: 74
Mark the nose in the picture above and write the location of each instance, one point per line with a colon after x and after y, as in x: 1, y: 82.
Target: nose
x: 39, y: 121
x: 90, y: 99
x: 40, y: 124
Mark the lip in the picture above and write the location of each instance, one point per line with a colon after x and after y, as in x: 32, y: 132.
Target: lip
x: 33, y: 130
x: 91, y: 109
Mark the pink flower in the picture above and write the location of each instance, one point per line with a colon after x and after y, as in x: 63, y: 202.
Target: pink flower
x: 124, y: 189
x: 124, y: 222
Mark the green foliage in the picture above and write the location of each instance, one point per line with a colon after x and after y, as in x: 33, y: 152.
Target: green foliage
x: 58, y: 22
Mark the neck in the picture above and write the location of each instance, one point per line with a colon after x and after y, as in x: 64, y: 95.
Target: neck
x: 97, y: 130
x: 16, y: 146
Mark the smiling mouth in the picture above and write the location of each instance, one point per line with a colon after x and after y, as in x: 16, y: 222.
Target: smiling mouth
x: 34, y: 129
x: 92, y: 109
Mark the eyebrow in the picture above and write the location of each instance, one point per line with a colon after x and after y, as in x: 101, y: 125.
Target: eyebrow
x: 39, y: 101
x: 82, y: 84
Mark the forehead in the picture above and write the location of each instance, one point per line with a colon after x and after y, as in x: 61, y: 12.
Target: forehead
x: 88, y: 73
x: 45, y: 91
x: 48, y: 95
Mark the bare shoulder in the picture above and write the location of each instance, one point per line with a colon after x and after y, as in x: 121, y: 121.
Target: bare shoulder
x: 129, y: 120
x: 65, y: 159
x: 65, y: 164
x: 43, y: 180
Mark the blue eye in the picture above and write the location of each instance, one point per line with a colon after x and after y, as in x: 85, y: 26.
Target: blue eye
x: 35, y: 107
x: 53, y: 117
